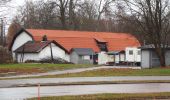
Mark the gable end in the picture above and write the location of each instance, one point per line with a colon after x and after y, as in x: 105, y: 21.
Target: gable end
x: 16, y: 35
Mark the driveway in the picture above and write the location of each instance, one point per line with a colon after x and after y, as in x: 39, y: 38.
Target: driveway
x: 20, y: 82
x: 29, y: 92
x: 68, y: 71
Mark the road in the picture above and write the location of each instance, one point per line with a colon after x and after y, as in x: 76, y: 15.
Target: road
x: 68, y: 71
x: 29, y: 92
x: 11, y: 83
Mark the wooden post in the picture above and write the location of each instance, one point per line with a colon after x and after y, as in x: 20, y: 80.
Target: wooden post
x: 93, y: 58
x: 52, y: 58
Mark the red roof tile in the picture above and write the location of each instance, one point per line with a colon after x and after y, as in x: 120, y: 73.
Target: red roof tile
x: 82, y: 39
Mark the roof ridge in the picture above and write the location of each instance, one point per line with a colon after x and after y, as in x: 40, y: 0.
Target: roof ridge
x: 78, y: 31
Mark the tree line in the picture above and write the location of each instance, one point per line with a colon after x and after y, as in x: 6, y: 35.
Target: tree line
x: 84, y: 15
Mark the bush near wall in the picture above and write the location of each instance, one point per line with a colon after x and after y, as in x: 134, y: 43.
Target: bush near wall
x: 5, y: 55
x: 48, y: 60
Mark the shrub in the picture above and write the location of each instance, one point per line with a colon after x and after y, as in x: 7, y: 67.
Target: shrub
x: 5, y: 55
x: 31, y: 61
x: 55, y: 61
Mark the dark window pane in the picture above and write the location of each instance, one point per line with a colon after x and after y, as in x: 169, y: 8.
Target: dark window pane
x: 130, y: 52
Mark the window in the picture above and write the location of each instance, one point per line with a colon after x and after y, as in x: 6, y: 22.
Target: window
x: 84, y: 57
x: 139, y: 52
x: 102, y: 46
x: 130, y: 52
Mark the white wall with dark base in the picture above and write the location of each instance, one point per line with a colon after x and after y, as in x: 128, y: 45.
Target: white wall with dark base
x: 27, y: 56
x: 44, y: 54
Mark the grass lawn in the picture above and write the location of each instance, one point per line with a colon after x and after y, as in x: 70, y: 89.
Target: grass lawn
x: 116, y: 72
x: 36, y: 68
x: 147, y: 96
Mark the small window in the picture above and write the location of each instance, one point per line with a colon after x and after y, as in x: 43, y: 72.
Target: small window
x: 80, y: 57
x: 103, y: 46
x: 139, y: 52
x: 130, y: 52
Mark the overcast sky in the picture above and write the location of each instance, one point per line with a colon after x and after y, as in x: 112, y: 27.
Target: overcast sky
x: 11, y: 11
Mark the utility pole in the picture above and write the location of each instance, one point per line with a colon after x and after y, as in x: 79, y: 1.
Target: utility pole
x: 1, y: 39
x: 2, y: 33
x: 4, y: 28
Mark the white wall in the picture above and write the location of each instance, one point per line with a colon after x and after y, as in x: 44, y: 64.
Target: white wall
x: 111, y: 58
x: 122, y: 57
x: 57, y: 53
x: 28, y: 56
x: 117, y: 59
x: 45, y: 53
x: 102, y: 58
x: 67, y: 57
x: 86, y: 57
x: 135, y: 57
x: 145, y: 62
x: 19, y: 41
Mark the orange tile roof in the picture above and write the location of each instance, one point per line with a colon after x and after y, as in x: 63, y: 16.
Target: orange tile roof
x: 82, y: 39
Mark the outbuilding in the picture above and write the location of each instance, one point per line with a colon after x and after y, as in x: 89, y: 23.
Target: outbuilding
x: 82, y: 56
x: 150, y: 58
x: 37, y: 51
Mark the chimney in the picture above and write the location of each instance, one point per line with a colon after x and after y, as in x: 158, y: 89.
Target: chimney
x: 44, y: 38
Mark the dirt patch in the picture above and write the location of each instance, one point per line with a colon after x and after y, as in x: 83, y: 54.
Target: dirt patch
x: 8, y: 72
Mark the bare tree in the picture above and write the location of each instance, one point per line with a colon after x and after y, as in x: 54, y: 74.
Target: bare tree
x: 153, y: 20
x: 73, y: 22
x: 62, y: 5
x: 5, y: 56
x: 2, y: 32
x: 37, y: 15
x: 103, y: 7
x: 87, y: 15
x: 82, y: 15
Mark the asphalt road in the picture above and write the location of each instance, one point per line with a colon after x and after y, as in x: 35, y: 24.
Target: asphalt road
x: 29, y: 92
x: 11, y: 83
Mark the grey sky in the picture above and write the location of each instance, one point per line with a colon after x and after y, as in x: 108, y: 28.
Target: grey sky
x: 9, y: 12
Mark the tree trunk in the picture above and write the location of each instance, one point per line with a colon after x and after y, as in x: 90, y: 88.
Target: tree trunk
x: 71, y: 14
x: 161, y: 56
x: 63, y: 20
x: 162, y: 60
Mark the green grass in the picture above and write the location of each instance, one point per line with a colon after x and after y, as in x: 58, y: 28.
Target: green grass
x: 37, y: 68
x: 115, y: 72
x: 150, y: 96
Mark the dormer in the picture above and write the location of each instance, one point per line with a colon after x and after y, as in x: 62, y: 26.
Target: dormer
x: 102, y: 44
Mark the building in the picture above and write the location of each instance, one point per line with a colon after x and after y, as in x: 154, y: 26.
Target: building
x: 67, y: 42
x: 129, y: 56
x: 133, y: 55
x: 82, y: 56
x: 36, y: 51
x: 149, y: 58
